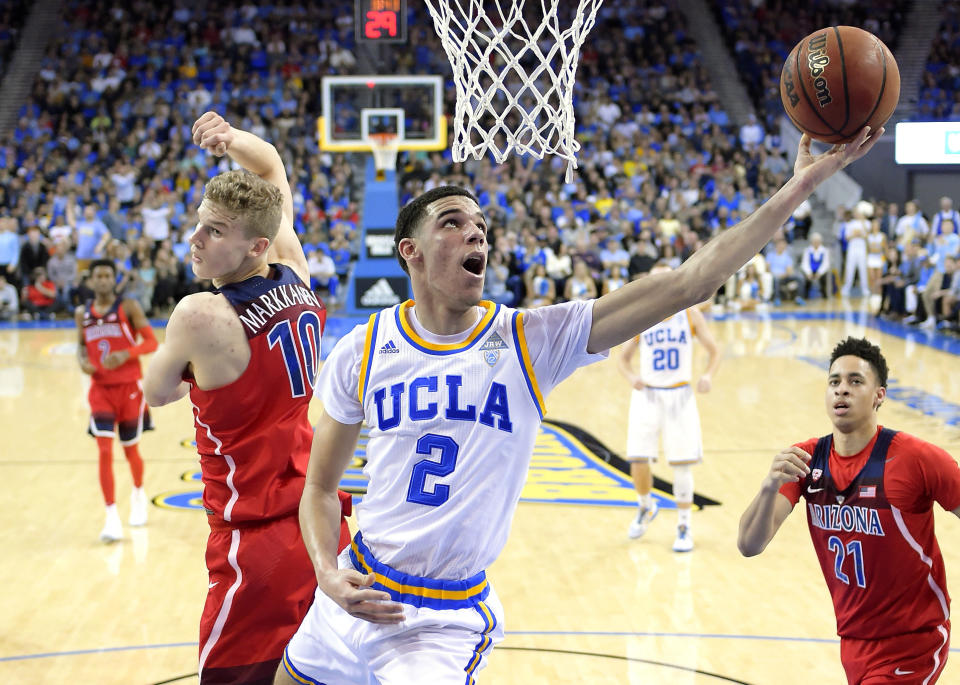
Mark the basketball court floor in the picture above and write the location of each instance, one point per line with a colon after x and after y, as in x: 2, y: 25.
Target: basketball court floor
x: 583, y: 603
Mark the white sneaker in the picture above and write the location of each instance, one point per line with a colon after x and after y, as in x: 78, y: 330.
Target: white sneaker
x: 909, y: 319
x: 640, y: 524
x: 112, y: 528
x: 684, y: 541
x: 929, y: 322
x: 138, y: 507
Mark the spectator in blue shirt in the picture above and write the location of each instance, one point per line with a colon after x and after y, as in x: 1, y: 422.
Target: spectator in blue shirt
x: 946, y: 214
x: 787, y: 283
x: 92, y: 235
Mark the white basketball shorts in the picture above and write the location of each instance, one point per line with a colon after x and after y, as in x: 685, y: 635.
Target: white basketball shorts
x: 667, y: 412
x: 449, y: 630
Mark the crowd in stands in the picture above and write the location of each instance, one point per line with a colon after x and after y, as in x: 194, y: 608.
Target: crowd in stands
x: 905, y: 261
x: 101, y: 162
x: 939, y: 97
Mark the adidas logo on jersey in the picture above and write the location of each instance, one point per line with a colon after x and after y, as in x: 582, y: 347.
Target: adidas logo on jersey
x: 380, y: 294
x: 390, y: 347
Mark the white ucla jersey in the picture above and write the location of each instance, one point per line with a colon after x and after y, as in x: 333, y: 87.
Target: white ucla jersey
x: 451, y: 427
x: 666, y: 352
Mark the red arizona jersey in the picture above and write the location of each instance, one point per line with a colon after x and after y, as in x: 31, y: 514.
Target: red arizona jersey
x: 106, y: 333
x: 870, y: 517
x: 254, y: 435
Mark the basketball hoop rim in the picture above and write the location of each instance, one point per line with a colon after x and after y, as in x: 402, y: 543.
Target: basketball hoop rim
x: 383, y: 141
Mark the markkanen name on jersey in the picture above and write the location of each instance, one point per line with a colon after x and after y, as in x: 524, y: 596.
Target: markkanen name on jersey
x: 259, y: 311
x: 845, y: 518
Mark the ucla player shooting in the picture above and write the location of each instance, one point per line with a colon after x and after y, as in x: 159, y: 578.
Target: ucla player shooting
x: 453, y: 389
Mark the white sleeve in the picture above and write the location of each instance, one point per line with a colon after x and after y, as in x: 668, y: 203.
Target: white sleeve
x: 557, y: 338
x: 337, y: 384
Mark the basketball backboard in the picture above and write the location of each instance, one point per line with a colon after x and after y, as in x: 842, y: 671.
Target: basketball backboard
x: 355, y: 107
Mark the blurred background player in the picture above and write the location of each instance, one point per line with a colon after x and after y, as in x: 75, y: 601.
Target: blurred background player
x: 663, y: 404
x: 108, y: 350
x: 870, y: 493
x: 247, y: 354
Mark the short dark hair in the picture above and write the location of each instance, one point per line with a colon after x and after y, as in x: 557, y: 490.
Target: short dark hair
x: 103, y: 262
x: 413, y: 213
x: 863, y: 348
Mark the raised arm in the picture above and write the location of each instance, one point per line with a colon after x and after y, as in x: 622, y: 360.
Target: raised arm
x: 212, y: 132
x: 638, y: 305
x: 769, y: 509
x: 334, y: 444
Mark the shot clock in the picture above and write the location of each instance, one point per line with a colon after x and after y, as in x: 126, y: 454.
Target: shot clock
x: 381, y: 21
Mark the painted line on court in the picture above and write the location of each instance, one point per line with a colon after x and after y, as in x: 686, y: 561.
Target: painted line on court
x: 509, y: 633
x: 99, y: 650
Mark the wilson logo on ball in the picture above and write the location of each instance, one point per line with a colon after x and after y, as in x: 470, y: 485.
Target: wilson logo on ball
x: 817, y: 60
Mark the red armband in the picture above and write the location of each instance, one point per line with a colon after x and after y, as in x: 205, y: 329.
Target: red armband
x: 148, y: 345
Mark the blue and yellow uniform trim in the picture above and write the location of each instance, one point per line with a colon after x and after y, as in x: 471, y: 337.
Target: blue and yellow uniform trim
x: 296, y: 674
x: 367, y: 359
x: 410, y: 335
x: 524, y: 355
x: 415, y: 590
x: 489, y: 623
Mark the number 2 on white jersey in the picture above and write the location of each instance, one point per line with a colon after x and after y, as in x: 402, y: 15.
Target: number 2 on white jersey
x: 449, y: 449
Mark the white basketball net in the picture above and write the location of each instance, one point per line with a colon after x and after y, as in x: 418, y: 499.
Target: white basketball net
x: 384, y: 148
x: 514, y: 69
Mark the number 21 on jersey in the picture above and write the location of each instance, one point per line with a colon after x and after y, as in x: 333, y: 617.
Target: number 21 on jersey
x: 853, y: 549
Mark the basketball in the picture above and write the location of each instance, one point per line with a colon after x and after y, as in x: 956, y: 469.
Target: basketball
x: 838, y: 80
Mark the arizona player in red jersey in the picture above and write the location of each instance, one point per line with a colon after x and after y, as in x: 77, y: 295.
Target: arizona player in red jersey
x: 109, y: 351
x: 248, y: 355
x: 870, y: 493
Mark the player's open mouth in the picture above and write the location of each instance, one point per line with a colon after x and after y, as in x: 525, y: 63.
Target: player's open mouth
x: 474, y: 264
x: 840, y: 407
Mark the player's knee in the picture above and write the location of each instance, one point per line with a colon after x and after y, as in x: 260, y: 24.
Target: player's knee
x: 683, y: 483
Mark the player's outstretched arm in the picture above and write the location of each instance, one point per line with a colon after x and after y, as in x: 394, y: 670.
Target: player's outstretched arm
x: 212, y: 132
x: 334, y: 444
x: 769, y: 509
x: 635, y: 307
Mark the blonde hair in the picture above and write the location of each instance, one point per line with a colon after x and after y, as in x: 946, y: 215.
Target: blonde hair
x: 256, y: 203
